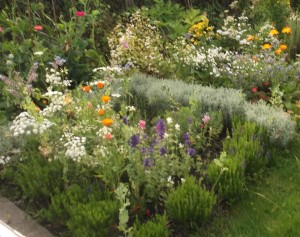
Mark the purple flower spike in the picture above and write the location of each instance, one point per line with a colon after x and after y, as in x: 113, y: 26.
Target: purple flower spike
x: 134, y: 141
x: 186, y: 138
x: 162, y: 151
x: 160, y: 128
x: 191, y: 151
x: 148, y: 162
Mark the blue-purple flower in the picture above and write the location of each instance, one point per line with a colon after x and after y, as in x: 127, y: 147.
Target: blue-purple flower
x: 148, y: 162
x: 191, y: 151
x: 186, y: 138
x: 160, y: 128
x: 134, y: 140
x: 162, y: 151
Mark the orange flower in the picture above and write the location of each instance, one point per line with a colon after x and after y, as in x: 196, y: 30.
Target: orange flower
x: 105, y: 98
x: 278, y: 51
x: 266, y: 46
x: 274, y: 32
x: 100, y: 85
x: 101, y: 112
x: 44, y: 102
x: 283, y: 47
x: 286, y: 30
x: 107, y: 122
x: 37, y: 109
x: 250, y: 38
x: 86, y: 88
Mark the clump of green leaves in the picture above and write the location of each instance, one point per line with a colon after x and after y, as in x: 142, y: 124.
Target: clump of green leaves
x: 190, y: 203
x: 152, y: 228
x: 93, y: 219
x: 226, y: 174
x: 248, y: 144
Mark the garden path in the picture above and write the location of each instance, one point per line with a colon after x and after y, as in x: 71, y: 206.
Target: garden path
x: 15, y: 223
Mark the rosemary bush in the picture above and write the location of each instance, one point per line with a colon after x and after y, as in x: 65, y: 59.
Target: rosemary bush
x: 190, y: 203
x: 226, y: 174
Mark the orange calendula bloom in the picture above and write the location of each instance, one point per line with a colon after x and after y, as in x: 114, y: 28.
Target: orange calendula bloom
x: 107, y: 122
x: 105, y: 98
x: 250, y: 38
x: 286, y: 30
x: 101, y: 112
x: 278, y: 51
x: 100, y: 85
x: 274, y: 32
x: 283, y: 47
x: 266, y: 46
x: 86, y: 88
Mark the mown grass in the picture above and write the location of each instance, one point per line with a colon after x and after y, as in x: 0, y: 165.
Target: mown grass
x: 269, y: 207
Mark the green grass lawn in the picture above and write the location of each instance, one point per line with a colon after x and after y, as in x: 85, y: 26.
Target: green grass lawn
x: 270, y: 207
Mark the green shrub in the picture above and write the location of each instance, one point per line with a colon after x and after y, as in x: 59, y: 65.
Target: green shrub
x: 39, y: 179
x: 190, y: 203
x: 60, y: 209
x: 153, y: 228
x: 149, y: 90
x: 94, y: 219
x: 227, y: 177
x: 248, y: 144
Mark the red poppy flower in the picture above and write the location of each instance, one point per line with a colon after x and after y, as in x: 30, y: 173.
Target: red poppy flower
x: 38, y: 27
x: 148, y: 212
x: 254, y: 89
x: 80, y: 13
x: 266, y: 83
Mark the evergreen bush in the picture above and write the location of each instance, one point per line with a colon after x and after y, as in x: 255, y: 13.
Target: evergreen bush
x: 190, y: 203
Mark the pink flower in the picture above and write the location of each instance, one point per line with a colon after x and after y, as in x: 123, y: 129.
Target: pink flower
x: 108, y: 136
x: 38, y: 27
x: 254, y: 89
x: 206, y: 119
x: 80, y: 13
x: 124, y: 43
x: 142, y: 124
x: 1, y: 29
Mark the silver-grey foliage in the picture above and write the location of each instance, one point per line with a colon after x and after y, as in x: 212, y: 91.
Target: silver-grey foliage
x: 278, y: 124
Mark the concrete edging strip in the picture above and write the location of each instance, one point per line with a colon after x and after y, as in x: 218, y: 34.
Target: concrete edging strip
x: 16, y: 223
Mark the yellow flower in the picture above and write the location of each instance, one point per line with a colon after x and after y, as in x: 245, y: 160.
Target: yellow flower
x: 250, y: 38
x: 107, y: 122
x: 286, y: 30
x: 266, y: 46
x: 278, y: 51
x: 283, y: 47
x: 274, y: 32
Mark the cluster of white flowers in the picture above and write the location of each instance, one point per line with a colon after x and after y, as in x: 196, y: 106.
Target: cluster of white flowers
x: 131, y: 108
x: 113, y: 69
x: 84, y: 126
x: 101, y: 151
x: 58, y: 100
x: 103, y: 132
x: 214, y: 60
x: 236, y: 29
x: 4, y: 159
x: 24, y: 123
x: 74, y: 145
x: 53, y: 77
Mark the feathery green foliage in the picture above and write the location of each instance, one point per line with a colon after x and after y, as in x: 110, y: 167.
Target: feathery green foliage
x: 190, y: 203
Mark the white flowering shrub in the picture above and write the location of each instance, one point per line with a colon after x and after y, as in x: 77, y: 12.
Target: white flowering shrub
x: 137, y: 44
